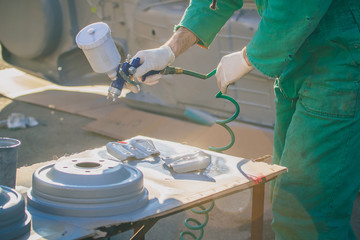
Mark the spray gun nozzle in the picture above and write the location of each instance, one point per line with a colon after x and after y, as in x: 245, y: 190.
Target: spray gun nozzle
x: 123, y: 74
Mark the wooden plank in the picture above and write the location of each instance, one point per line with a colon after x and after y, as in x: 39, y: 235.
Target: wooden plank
x: 124, y: 123
x: 88, y: 101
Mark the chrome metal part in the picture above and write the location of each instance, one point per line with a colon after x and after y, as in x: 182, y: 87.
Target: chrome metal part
x: 113, y: 93
x: 135, y: 149
x: 119, y: 151
x: 87, y: 187
x: 15, y: 221
x: 145, y: 145
x: 188, y: 161
x: 132, y: 70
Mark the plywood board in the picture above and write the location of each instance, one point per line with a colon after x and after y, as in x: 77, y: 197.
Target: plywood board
x: 123, y: 123
x: 15, y: 83
x: 85, y: 104
x: 89, y: 101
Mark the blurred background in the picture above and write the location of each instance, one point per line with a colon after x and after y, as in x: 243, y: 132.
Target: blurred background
x: 38, y: 51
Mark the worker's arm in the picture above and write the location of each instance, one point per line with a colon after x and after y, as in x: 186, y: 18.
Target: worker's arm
x: 199, y: 25
x: 160, y: 58
x: 204, y: 22
x: 181, y: 41
x: 282, y: 30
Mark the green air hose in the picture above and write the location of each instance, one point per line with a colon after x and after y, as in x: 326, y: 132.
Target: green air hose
x: 199, y: 75
x: 224, y: 122
x: 176, y: 70
x: 199, y: 226
x: 204, y: 211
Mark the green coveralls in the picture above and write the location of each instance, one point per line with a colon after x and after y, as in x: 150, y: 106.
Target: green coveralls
x: 312, y: 49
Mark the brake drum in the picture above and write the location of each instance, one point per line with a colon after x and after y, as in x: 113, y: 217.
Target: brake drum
x: 15, y: 221
x: 87, y: 187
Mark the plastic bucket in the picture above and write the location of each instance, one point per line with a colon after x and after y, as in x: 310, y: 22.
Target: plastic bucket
x: 8, y: 159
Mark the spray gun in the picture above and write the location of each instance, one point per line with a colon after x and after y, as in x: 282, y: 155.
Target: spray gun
x: 96, y: 42
x: 99, y: 48
x: 124, y: 74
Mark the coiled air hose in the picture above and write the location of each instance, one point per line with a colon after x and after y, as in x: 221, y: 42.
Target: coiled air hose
x: 203, y: 210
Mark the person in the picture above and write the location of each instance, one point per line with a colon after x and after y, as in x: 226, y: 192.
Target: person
x: 312, y: 50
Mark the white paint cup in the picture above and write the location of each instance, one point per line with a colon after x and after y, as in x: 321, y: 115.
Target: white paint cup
x: 99, y: 48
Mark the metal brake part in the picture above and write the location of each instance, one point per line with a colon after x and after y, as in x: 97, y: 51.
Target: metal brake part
x: 134, y: 149
x: 188, y: 161
x: 145, y: 145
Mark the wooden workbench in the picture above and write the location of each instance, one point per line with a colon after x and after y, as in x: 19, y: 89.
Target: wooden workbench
x: 169, y: 193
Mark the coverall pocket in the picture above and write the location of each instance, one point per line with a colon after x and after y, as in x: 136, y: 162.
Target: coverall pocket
x: 354, y: 49
x: 326, y: 101
x: 354, y: 46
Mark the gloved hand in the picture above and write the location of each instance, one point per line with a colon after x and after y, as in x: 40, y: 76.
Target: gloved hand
x: 131, y: 87
x: 153, y: 59
x: 231, y: 68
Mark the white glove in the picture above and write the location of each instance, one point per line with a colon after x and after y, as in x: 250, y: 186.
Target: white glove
x: 231, y: 68
x: 153, y: 59
x: 132, y: 87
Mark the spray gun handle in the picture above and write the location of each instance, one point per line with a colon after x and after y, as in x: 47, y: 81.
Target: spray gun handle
x: 136, y: 63
x: 152, y: 72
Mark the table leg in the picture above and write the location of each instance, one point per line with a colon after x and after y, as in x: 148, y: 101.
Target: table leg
x: 140, y: 231
x: 257, y: 216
